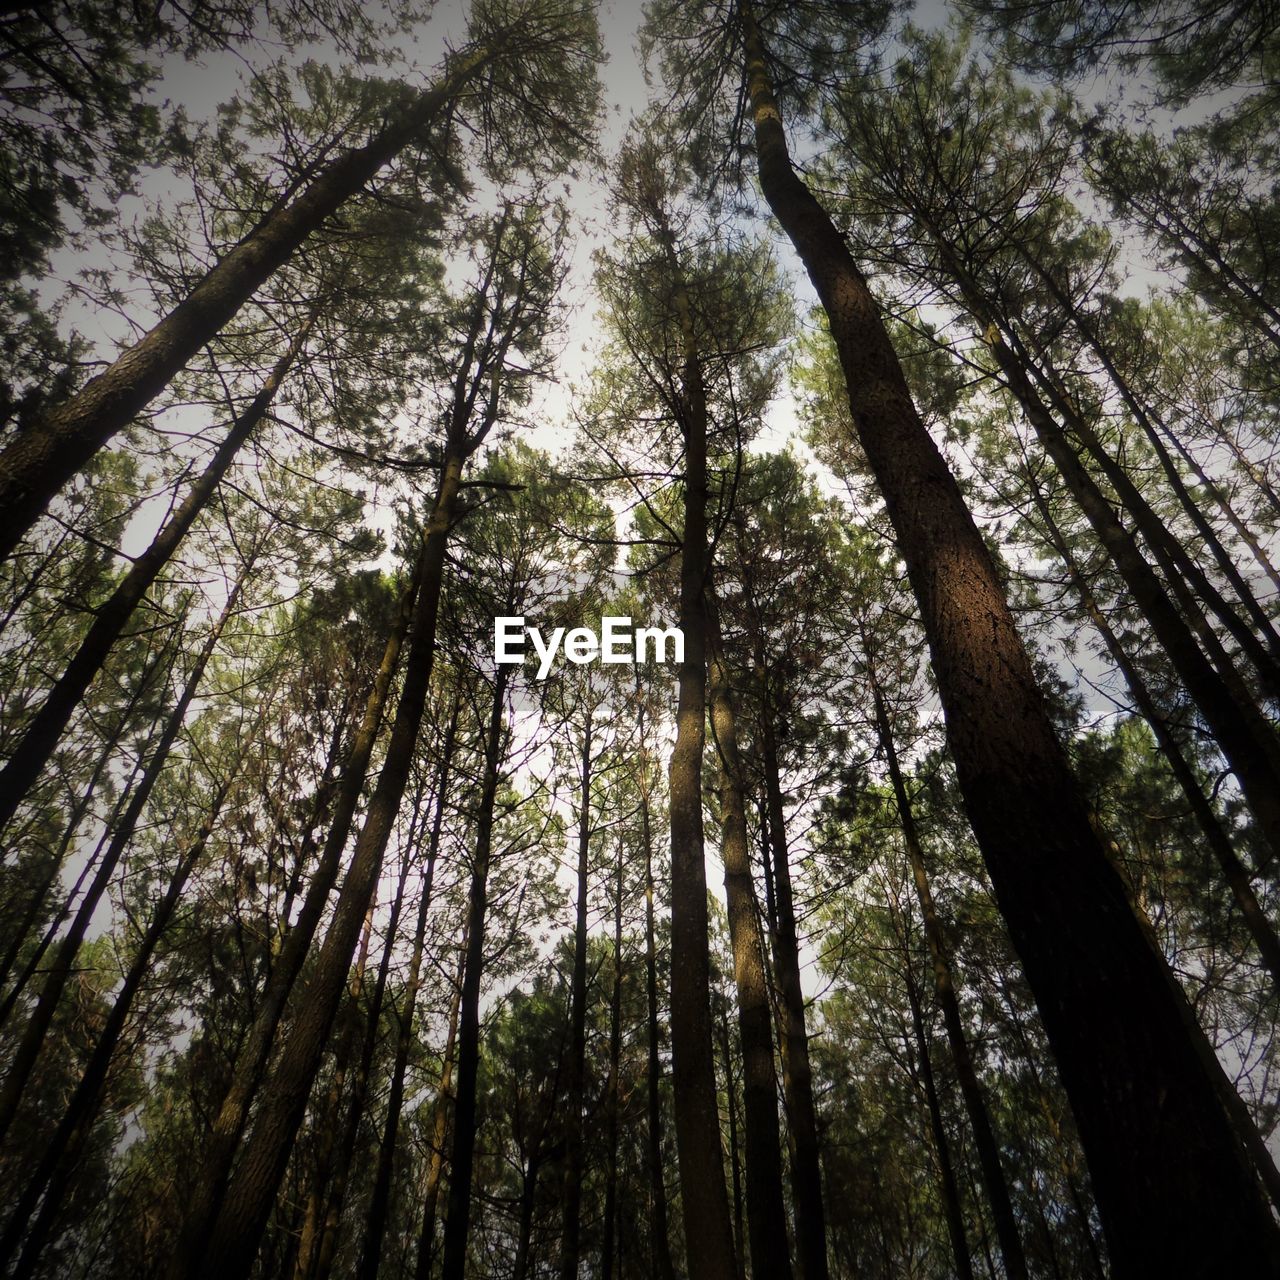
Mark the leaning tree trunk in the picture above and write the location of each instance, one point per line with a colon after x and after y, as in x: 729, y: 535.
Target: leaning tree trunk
x: 41, y: 737
x: 35, y: 465
x: 1175, y: 1187
x: 227, y: 1130
x: 247, y: 1203
x: 766, y: 1207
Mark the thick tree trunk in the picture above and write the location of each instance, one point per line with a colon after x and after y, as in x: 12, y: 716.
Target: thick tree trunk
x: 573, y: 1165
x: 110, y: 618
x: 247, y: 1204
x: 797, y: 1075
x: 224, y: 1137
x: 766, y: 1207
x: 35, y: 465
x: 380, y: 1200
x: 993, y: 1178
x: 458, y: 1213
x: 1174, y: 1184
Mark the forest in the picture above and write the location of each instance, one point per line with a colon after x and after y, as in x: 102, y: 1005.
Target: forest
x: 915, y: 366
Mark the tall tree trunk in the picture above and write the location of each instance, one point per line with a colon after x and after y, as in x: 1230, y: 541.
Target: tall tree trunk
x: 528, y: 1192
x: 247, y: 1203
x: 952, y: 1209
x: 709, y: 1242
x: 357, y: 1106
x: 993, y: 1178
x: 766, y: 1207
x: 62, y: 965
x: 458, y: 1214
x: 110, y: 618
x: 659, y: 1232
x: 1175, y: 1186
x: 380, y: 1201
x: 60, y: 1154
x: 440, y: 1128
x: 35, y: 465
x: 797, y: 1075
x: 574, y: 1101
x: 224, y: 1137
x: 610, y: 1231
x: 734, y: 1154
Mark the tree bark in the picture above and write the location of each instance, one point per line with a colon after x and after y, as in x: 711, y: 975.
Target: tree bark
x: 110, y: 618
x: 1175, y: 1187
x: 458, y: 1213
x: 766, y: 1207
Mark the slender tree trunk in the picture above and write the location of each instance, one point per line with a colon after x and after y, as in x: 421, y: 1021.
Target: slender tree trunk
x: 1233, y: 870
x: 35, y: 465
x: 993, y: 1178
x: 952, y: 1209
x: 528, y: 1192
x: 573, y: 1165
x: 1175, y: 1186
x: 659, y: 1232
x: 63, y: 963
x: 797, y: 1075
x: 110, y: 618
x: 458, y: 1214
x: 615, y: 1082
x: 247, y: 1203
x: 766, y: 1207
x: 60, y: 1154
x: 440, y: 1129
x: 735, y: 1161
x: 357, y: 1107
x: 709, y: 1240
x: 224, y: 1137
x: 380, y: 1201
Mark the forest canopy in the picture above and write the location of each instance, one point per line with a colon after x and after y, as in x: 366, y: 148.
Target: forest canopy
x: 896, y: 894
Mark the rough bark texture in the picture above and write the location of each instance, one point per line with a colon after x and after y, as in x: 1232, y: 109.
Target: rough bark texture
x: 1174, y: 1184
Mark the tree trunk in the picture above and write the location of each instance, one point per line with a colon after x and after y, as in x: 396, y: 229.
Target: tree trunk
x: 709, y: 1241
x: 573, y: 1165
x: 659, y: 1232
x: 735, y: 1161
x: 766, y: 1207
x: 797, y: 1075
x: 62, y: 965
x: 1175, y: 1187
x: 610, y: 1231
x: 110, y: 618
x: 238, y: 1228
x: 380, y: 1201
x: 951, y: 1207
x: 35, y: 465
x: 60, y: 1155
x: 439, y: 1129
x: 458, y: 1214
x: 993, y: 1179
x: 224, y: 1137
